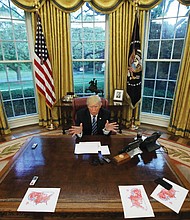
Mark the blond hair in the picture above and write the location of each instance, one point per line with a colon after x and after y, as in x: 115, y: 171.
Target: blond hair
x: 93, y: 99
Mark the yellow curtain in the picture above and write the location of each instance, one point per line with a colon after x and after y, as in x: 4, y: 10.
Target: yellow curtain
x: 56, y: 28
x: 121, y: 23
x: 180, y: 115
x: 4, y: 127
x: 105, y: 6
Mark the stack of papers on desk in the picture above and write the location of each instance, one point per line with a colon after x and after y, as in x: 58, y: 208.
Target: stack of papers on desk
x: 91, y: 148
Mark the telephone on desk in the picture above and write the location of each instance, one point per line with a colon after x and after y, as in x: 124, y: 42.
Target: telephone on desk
x: 128, y: 152
x: 69, y: 97
x: 136, y: 147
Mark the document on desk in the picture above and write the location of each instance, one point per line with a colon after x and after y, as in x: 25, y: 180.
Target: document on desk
x: 135, y: 202
x: 91, y: 147
x: 39, y: 200
x: 172, y: 198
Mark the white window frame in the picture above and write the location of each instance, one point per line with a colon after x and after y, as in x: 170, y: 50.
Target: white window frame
x: 34, y: 118
x: 105, y: 60
x: 150, y: 118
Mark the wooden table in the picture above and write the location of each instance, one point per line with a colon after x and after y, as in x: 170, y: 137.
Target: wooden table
x: 116, y: 109
x: 87, y: 191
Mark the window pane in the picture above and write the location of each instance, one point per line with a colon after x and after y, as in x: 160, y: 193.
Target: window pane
x: 147, y: 104
x: 165, y: 50
x: 13, y: 72
x: 174, y: 70
x: 183, y: 10
x: 88, y: 15
x: 88, y: 31
x: 19, y: 107
x: 5, y: 91
x: 171, y: 8
x: 88, y: 50
x: 100, y: 17
x: 77, y: 50
x: 168, y: 106
x: 16, y: 93
x: 157, y: 11
x: 158, y: 106
x: 28, y: 92
x: 100, y: 68
x: 99, y: 30
x: 148, y: 87
x: 99, y: 50
x: 76, y: 32
x: 4, y: 9
x: 153, y: 49
x: 8, y: 109
x: 181, y: 28
x: 155, y: 30
x: 22, y: 50
x: 168, y: 28
x: 76, y: 16
x: 150, y: 70
x: 26, y: 73
x: 6, y: 30
x: 163, y: 68
x: 178, y: 46
x: 1, y: 53
x: 3, y: 76
x: 20, y: 30
x: 171, y: 89
x: 16, y: 12
x: 9, y: 51
x: 160, y: 88
x: 30, y: 106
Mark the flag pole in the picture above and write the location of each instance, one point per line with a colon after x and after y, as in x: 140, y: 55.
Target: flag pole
x: 133, y: 126
x: 43, y: 70
x: 51, y: 126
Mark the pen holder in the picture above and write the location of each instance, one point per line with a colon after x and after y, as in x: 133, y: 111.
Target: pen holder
x: 121, y: 158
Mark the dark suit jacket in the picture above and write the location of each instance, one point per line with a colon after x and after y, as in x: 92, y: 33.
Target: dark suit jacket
x: 83, y: 116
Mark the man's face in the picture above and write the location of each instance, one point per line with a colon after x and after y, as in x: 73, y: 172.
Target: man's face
x: 94, y: 108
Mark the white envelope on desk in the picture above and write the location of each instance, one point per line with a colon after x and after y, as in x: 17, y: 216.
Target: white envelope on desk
x: 91, y: 148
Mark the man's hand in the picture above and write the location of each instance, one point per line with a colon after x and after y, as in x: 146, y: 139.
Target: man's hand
x: 76, y: 129
x: 111, y: 126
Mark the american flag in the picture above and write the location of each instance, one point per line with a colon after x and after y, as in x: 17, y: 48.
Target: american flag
x: 134, y: 75
x: 42, y: 65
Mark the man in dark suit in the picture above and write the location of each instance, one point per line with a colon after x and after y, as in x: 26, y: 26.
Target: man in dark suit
x: 93, y: 112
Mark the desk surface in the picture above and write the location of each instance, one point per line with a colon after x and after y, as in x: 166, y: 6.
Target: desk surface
x: 86, y: 188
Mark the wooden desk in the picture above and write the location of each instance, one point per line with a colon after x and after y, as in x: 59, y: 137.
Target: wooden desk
x: 87, y: 191
x: 116, y: 109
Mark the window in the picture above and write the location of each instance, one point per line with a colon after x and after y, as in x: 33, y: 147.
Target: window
x: 16, y: 78
x: 88, y: 29
x: 166, y: 37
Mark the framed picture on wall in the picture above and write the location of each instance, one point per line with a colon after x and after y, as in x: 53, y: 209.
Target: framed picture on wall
x: 118, y: 95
